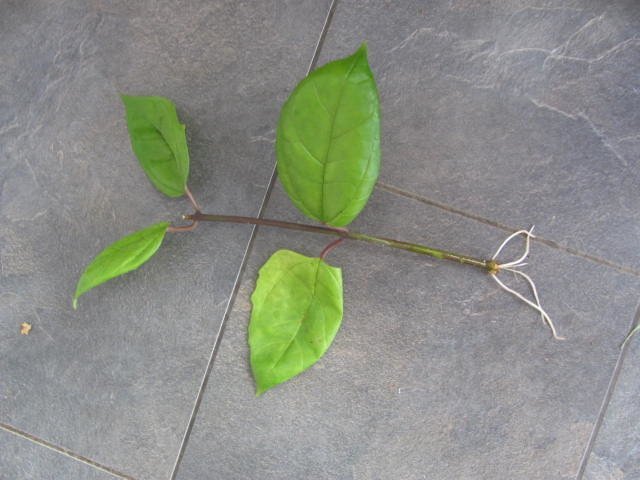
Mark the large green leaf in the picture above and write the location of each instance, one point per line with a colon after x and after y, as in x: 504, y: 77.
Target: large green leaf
x: 121, y: 257
x: 328, y: 140
x: 158, y: 139
x: 297, y: 311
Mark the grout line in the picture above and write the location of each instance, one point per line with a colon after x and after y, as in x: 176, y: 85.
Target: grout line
x: 613, y: 381
x: 63, y: 451
x: 243, y: 264
x: 550, y: 243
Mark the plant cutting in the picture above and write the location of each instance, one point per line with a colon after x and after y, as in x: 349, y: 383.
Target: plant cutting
x: 328, y: 160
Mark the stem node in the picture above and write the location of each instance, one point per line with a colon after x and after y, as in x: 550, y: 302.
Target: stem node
x: 493, y: 267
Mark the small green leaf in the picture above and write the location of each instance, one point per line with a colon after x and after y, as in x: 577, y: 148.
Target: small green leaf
x: 121, y: 257
x: 297, y: 311
x: 328, y: 140
x: 158, y: 139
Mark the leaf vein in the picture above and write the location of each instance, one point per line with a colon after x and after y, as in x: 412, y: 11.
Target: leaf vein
x: 351, y: 129
x: 333, y: 124
x: 311, y: 302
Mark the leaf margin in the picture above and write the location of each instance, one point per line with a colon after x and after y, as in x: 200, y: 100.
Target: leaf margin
x: 352, y: 204
x: 262, y: 385
x: 147, y: 253
x: 136, y: 109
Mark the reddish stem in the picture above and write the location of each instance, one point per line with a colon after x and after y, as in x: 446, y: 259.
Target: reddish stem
x: 183, y: 228
x: 487, y: 265
x: 330, y: 247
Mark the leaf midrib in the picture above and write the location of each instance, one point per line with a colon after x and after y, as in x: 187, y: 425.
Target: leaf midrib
x: 124, y: 265
x: 333, y: 123
x: 295, y: 335
x: 173, y: 152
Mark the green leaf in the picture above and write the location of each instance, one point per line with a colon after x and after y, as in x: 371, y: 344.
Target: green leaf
x: 297, y: 311
x: 158, y: 139
x: 328, y: 140
x: 121, y: 257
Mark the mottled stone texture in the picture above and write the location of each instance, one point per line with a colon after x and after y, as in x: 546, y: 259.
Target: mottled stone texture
x: 520, y: 112
x: 116, y: 380
x: 496, y: 115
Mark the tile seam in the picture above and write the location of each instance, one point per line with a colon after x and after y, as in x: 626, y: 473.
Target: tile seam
x: 550, y: 243
x: 241, y: 270
x: 606, y: 400
x: 63, y: 451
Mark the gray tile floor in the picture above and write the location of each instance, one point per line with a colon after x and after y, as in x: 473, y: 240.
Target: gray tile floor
x: 496, y: 115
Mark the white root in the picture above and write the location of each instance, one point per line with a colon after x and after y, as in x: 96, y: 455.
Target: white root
x: 512, y: 267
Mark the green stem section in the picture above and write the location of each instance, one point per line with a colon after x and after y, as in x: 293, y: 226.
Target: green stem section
x: 488, y: 265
